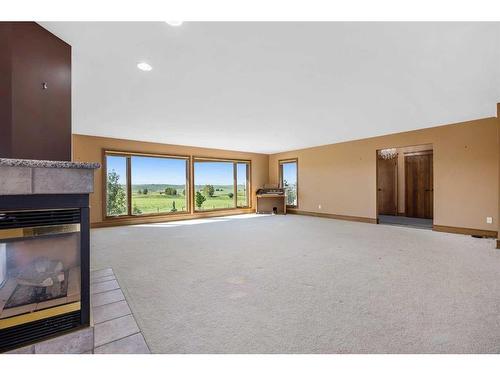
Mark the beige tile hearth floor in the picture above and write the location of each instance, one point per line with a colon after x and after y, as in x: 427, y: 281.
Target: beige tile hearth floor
x: 115, y: 329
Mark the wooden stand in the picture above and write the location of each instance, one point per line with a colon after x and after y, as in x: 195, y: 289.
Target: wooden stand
x: 266, y: 203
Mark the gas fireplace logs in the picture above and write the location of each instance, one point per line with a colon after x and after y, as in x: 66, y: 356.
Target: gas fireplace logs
x: 41, y: 284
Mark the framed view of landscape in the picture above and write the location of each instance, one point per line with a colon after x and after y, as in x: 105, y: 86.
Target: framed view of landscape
x: 141, y: 184
x: 116, y: 185
x: 159, y: 185
x: 220, y: 184
x: 242, y: 184
x: 288, y: 170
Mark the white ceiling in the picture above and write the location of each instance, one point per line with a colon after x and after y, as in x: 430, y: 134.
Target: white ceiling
x: 270, y: 87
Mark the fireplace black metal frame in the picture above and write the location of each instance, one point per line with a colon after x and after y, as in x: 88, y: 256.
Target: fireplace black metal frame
x: 17, y: 336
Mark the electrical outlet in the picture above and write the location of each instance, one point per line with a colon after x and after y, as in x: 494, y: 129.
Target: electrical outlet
x: 489, y: 220
x: 319, y: 207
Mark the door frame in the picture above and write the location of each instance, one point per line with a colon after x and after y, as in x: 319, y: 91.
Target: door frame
x: 417, y: 153
x: 431, y: 149
x: 396, y: 195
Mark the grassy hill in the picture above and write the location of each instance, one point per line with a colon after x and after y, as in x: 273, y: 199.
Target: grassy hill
x: 158, y: 202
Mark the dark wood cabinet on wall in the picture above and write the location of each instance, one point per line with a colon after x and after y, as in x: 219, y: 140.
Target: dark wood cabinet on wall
x: 35, y: 93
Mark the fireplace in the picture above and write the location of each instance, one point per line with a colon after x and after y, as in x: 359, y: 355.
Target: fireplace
x: 40, y: 262
x: 44, y: 251
x: 44, y: 256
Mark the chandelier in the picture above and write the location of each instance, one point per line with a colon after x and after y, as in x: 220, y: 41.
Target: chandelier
x: 388, y: 153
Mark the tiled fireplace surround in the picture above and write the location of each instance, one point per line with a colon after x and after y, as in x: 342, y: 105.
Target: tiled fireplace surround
x: 112, y: 328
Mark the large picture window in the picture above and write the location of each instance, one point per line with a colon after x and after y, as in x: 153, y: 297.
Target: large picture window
x: 289, y: 181
x: 158, y: 185
x: 146, y: 184
x: 220, y: 184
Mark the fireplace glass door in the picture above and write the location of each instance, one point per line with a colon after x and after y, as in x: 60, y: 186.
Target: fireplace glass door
x: 39, y: 265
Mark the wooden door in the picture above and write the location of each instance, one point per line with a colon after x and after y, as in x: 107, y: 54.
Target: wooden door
x: 387, y: 185
x: 419, y: 187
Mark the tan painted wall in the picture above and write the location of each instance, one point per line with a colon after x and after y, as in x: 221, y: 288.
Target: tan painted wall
x: 342, y: 177
x: 90, y: 149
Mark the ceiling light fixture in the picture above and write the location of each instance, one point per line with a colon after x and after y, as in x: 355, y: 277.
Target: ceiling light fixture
x: 174, y: 23
x: 144, y: 66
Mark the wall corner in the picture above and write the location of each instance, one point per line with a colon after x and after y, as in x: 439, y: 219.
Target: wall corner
x: 498, y: 147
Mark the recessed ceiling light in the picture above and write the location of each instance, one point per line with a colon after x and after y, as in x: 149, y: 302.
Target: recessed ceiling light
x: 144, y: 66
x: 174, y: 23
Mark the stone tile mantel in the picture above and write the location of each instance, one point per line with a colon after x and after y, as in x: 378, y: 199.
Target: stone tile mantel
x: 46, y: 164
x: 26, y: 177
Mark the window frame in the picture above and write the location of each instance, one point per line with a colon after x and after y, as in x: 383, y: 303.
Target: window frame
x: 235, y: 162
x: 248, y: 187
x: 128, y: 155
x: 280, y: 169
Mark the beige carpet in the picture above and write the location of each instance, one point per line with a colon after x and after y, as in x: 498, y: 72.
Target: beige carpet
x: 295, y: 284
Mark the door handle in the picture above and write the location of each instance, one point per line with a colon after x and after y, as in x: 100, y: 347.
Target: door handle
x: 379, y: 189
